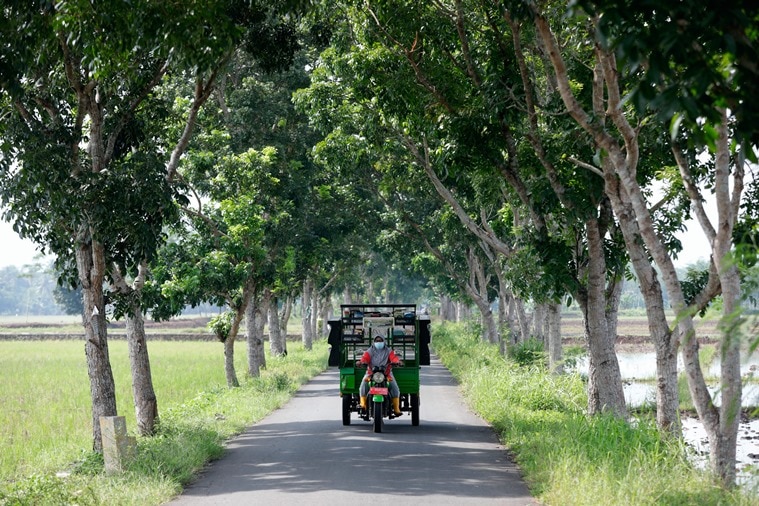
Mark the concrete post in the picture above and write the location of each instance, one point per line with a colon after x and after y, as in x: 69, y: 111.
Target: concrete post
x: 118, y: 447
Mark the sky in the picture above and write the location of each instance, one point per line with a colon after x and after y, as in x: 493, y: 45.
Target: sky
x: 18, y: 252
x: 13, y: 249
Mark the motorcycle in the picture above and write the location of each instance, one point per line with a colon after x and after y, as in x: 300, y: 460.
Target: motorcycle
x: 378, y: 402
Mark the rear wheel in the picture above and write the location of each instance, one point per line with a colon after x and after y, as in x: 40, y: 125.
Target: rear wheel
x: 347, y: 400
x: 377, y: 417
x: 414, y: 409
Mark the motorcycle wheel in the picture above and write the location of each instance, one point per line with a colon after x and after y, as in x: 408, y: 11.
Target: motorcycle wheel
x: 347, y: 399
x: 415, y: 409
x: 377, y: 417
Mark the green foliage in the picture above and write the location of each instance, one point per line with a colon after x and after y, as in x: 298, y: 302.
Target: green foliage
x: 90, y: 464
x: 276, y: 382
x: 221, y: 324
x: 527, y: 353
x: 94, y: 162
x: 693, y: 283
x: 654, y: 41
x: 572, y: 354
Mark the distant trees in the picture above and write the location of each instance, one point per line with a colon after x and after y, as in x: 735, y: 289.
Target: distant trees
x: 30, y: 290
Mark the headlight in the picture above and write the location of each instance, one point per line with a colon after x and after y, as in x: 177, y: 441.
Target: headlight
x: 378, y: 377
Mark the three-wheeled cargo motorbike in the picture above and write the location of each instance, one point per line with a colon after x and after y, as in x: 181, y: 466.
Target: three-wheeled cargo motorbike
x: 405, y: 332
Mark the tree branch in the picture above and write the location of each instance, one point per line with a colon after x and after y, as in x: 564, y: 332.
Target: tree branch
x: 129, y: 113
x: 202, y: 92
x: 448, y: 197
x: 694, y: 193
x: 595, y: 170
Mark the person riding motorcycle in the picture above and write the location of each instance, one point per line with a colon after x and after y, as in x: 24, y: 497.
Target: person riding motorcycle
x: 380, y: 356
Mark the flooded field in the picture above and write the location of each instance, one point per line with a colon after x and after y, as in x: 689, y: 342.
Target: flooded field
x: 637, y: 362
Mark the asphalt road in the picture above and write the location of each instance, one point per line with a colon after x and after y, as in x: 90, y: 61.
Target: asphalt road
x: 302, y: 454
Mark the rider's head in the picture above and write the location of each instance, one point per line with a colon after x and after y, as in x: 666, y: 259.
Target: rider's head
x: 379, y: 342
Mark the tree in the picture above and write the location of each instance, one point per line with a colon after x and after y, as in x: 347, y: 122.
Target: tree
x: 619, y: 145
x: 257, y: 110
x: 82, y: 118
x: 218, y: 256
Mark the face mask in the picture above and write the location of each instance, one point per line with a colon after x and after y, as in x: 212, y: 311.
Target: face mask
x: 379, y: 346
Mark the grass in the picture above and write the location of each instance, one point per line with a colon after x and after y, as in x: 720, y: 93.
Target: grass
x: 566, y: 457
x: 46, y: 428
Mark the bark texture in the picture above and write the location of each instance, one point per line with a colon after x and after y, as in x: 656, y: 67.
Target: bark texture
x: 308, y: 335
x: 277, y: 343
x: 145, y: 400
x: 254, y: 328
x: 620, y: 163
x: 229, y: 363
x: 605, y: 392
x: 555, y: 361
x: 90, y: 261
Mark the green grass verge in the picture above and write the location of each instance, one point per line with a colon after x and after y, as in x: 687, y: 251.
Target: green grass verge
x: 566, y: 457
x: 46, y: 429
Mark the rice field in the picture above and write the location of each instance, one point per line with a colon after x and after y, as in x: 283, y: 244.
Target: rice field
x: 45, y: 420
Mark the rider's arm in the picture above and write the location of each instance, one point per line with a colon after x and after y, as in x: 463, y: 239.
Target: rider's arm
x: 365, y: 359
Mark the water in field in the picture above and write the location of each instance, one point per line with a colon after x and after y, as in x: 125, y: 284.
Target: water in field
x: 638, y: 371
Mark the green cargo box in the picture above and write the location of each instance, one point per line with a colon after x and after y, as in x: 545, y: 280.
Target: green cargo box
x: 406, y: 332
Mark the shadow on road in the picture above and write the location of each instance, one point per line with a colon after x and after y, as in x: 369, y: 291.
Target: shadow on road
x: 303, y: 448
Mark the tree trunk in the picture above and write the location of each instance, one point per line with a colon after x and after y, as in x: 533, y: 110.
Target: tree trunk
x: 463, y: 311
x: 229, y: 362
x: 506, y: 322
x: 325, y: 308
x: 613, y: 296
x: 477, y: 289
x: 511, y: 318
x: 489, y: 328
x: 145, y: 401
x: 314, y: 312
x: 720, y: 425
x: 539, y: 318
x: 231, y: 337
x: 731, y: 388
x: 555, y: 362
x: 667, y: 392
x: 370, y: 296
x: 308, y: 293
x: 254, y: 329
x: 605, y: 392
x: 277, y: 344
x: 90, y: 260
x: 523, y: 319
x: 284, y: 315
x: 447, y: 309
x: 347, y: 296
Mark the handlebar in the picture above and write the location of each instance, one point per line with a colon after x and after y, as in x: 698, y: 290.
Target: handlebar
x: 361, y: 365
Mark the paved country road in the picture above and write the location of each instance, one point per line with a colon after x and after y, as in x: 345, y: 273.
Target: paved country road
x: 302, y: 454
